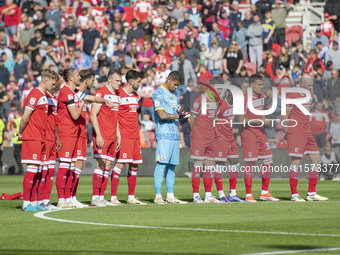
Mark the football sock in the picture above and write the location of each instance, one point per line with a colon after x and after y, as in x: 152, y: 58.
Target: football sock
x: 49, y: 182
x: 36, y: 181
x: 313, y: 179
x: 158, y: 196
x: 105, y: 180
x: 265, y: 174
x: 221, y: 193
x: 61, y: 201
x: 207, y: 194
x: 248, y: 177
x: 69, y: 181
x: 293, y: 179
x: 218, y: 179
x: 232, y: 192
x: 170, y: 178
x: 61, y: 179
x: 95, y: 197
x: 131, y: 180
x: 77, y: 172
x: 131, y: 197
x: 196, y: 195
x: 233, y: 174
x: 158, y: 177
x: 101, y: 197
x: 208, y: 179
x: 170, y: 195
x: 42, y: 184
x: 195, y: 179
x: 28, y: 183
x: 115, y: 180
x: 97, y: 181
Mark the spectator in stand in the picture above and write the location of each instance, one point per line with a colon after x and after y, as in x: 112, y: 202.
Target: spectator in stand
x: 192, y: 54
x: 321, y: 51
x: 161, y: 58
x: 81, y: 61
x: 104, y: 48
x: 10, y: 12
x: 178, y: 12
x: 268, y: 30
x: 5, y: 49
x: 37, y: 65
x: 4, y: 73
x: 3, y: 99
x: 335, y: 131
x: 27, y: 7
x: 239, y: 35
x: 123, y: 61
x: 328, y: 72
x: 333, y: 90
x: 215, y: 59
x: 280, y: 15
x: 333, y: 8
x: 225, y: 6
x: 319, y: 124
x: 255, y: 32
x: 233, y: 60
x: 185, y: 68
x: 329, y: 160
x: 262, y: 6
x: 208, y: 12
x: 161, y: 75
x: 215, y: 29
x: 147, y: 26
x: 299, y: 56
x: 205, y: 75
x: 189, y: 28
x: 333, y: 55
x: 319, y: 85
x: 142, y: 10
x: 91, y: 39
x: 145, y: 92
x: 78, y: 6
x: 53, y: 22
x: 284, y: 58
x: 38, y: 45
x: 39, y: 23
x: 149, y: 125
x: 222, y: 43
x: 135, y: 31
x: 319, y: 38
x: 312, y: 61
x: 194, y: 13
x: 235, y: 16
x: 203, y: 36
x: 114, y: 7
x: 145, y: 56
x: 173, y: 33
x: 248, y: 19
x: 224, y: 25
x: 69, y: 35
x: 327, y: 27
x: 21, y: 65
x: 25, y: 36
x: 271, y: 64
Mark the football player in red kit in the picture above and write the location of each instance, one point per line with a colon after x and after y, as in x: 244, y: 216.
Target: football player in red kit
x: 301, y: 142
x: 106, y: 136
x: 32, y: 132
x: 130, y: 150
x: 255, y: 143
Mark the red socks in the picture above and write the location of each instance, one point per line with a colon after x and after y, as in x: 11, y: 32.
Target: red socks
x: 75, y: 182
x: 265, y: 174
x: 115, y: 180
x: 233, y: 175
x: 293, y: 179
x: 97, y: 181
x: 248, y: 177
x: 62, y: 178
x: 49, y: 182
x: 132, y: 180
x: 195, y: 179
x: 28, y: 181
x: 105, y: 180
x: 42, y: 183
x: 313, y: 178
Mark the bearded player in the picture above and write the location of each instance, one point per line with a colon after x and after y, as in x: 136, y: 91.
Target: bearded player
x: 301, y: 142
x: 130, y: 150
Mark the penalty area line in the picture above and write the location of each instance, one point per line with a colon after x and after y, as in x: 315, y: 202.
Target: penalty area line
x: 293, y: 251
x: 42, y: 215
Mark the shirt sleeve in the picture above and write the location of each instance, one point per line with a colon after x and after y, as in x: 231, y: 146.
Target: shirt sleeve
x: 68, y: 99
x: 196, y: 107
x: 158, y: 102
x: 32, y: 101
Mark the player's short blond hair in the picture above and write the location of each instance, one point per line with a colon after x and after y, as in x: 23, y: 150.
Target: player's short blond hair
x: 47, y: 73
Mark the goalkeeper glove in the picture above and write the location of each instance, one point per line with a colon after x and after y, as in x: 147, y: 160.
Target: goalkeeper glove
x: 182, y: 113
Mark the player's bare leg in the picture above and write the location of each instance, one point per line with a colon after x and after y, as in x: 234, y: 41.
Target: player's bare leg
x: 195, y: 179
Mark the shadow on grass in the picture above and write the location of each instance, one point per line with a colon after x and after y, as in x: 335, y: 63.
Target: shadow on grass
x: 293, y: 247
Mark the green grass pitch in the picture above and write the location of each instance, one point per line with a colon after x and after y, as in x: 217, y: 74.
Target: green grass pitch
x: 178, y: 229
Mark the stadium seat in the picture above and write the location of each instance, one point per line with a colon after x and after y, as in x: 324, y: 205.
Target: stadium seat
x: 296, y: 29
x: 276, y: 49
x: 292, y: 37
x: 152, y: 138
x: 251, y: 68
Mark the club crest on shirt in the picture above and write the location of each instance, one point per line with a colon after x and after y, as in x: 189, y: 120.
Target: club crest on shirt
x: 67, y: 154
x: 157, y: 103
x: 35, y: 156
x: 162, y: 157
x: 32, y: 100
x: 79, y: 152
x: 124, y: 155
x: 197, y: 152
x: 98, y: 95
x: 70, y: 97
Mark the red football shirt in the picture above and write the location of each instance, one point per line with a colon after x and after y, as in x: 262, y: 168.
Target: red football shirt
x: 81, y: 121
x: 12, y: 20
x: 108, y: 117
x: 318, y: 122
x: 66, y: 125
x: 128, y: 116
x: 204, y: 123
x: 37, y: 124
x: 302, y: 128
x: 225, y: 112
x: 51, y: 116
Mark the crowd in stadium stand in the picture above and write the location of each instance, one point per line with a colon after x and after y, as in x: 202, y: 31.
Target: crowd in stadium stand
x: 200, y: 39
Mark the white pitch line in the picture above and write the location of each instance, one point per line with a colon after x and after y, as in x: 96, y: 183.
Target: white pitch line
x: 42, y: 215
x: 293, y: 251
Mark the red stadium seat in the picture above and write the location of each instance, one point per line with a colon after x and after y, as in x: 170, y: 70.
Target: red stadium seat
x: 276, y: 49
x: 296, y: 29
x: 292, y: 37
x: 251, y: 68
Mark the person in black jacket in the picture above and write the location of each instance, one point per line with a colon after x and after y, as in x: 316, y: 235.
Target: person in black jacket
x: 4, y: 73
x: 333, y: 8
x: 262, y: 6
x: 209, y: 12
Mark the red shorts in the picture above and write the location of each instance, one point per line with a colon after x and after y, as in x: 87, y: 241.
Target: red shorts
x: 68, y: 146
x: 108, y: 151
x: 225, y: 149
x: 32, y: 152
x: 130, y: 152
x: 256, y: 149
x: 301, y: 145
x: 50, y: 153
x: 202, y: 149
x: 80, y: 151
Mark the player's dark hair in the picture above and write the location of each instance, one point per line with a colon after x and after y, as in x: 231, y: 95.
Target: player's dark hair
x: 113, y: 72
x: 255, y: 77
x: 175, y: 76
x: 215, y: 80
x: 133, y: 75
x: 66, y: 73
x: 86, y: 74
